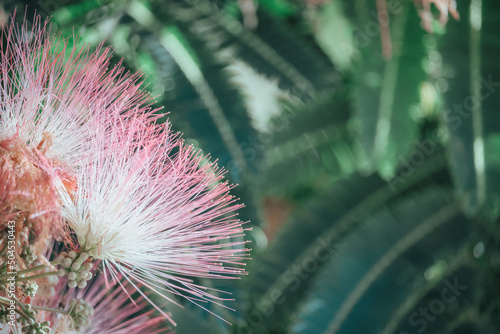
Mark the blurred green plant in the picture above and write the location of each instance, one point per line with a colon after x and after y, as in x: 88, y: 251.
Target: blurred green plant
x: 392, y: 166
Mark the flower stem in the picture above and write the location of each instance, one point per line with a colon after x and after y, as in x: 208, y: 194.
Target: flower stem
x: 27, y: 278
x: 48, y: 309
x: 26, y: 271
x: 6, y: 302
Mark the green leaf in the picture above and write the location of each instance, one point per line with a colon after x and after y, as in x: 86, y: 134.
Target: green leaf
x: 386, y: 93
x: 333, y: 32
x: 279, y: 277
x: 192, y: 319
x: 471, y: 76
x: 308, y: 146
x: 71, y: 13
x: 399, y: 256
x: 272, y: 49
x: 279, y: 8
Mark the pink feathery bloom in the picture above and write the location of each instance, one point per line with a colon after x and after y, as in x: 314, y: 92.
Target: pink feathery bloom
x: 128, y: 189
x: 49, y: 92
x: 110, y: 312
x: 97, y: 310
x: 155, y: 211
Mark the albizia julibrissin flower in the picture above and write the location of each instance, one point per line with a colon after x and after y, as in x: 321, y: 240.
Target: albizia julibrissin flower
x: 154, y: 211
x: 95, y: 310
x: 105, y: 310
x: 82, y: 143
x: 49, y: 93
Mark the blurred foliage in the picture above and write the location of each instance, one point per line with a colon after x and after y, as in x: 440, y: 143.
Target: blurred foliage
x: 391, y: 165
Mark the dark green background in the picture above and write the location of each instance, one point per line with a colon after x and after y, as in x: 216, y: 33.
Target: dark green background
x: 373, y: 189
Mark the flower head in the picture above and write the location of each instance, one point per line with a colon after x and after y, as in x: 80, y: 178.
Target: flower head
x: 83, y: 159
x: 50, y: 93
x: 95, y: 310
x: 154, y: 211
x: 444, y: 7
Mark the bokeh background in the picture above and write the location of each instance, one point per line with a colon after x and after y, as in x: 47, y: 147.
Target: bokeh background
x: 364, y: 136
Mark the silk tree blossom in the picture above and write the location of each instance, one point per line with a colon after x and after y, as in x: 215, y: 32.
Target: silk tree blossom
x: 83, y: 160
x: 155, y: 211
x: 49, y: 93
x: 109, y: 311
x: 96, y: 310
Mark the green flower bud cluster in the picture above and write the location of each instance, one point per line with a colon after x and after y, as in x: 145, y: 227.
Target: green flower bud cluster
x: 29, y: 289
x: 4, y: 315
x: 30, y: 324
x: 23, y: 236
x: 80, y: 312
x: 28, y: 254
x: 38, y: 328
x: 75, y: 267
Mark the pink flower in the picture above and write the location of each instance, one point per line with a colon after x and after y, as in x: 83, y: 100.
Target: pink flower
x: 97, y: 310
x: 113, y: 312
x: 155, y: 211
x: 50, y: 93
x: 82, y: 152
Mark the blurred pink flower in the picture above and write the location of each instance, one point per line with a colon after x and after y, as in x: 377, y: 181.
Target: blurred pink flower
x: 108, y: 311
x: 49, y: 94
x: 156, y: 212
x: 96, y: 310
